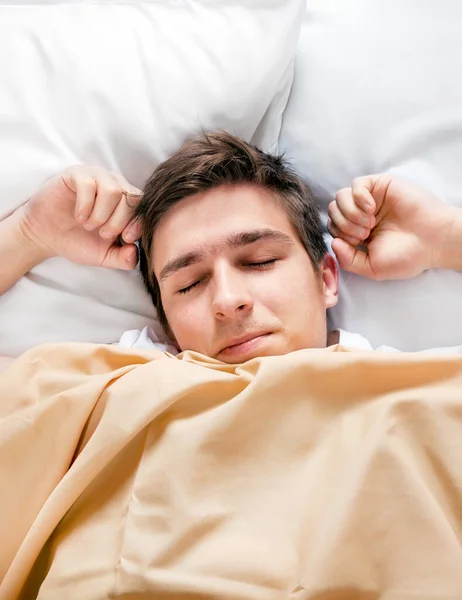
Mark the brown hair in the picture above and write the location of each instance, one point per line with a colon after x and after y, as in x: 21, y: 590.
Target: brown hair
x: 216, y: 159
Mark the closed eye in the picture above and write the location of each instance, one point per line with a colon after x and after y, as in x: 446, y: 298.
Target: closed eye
x: 188, y: 288
x: 263, y: 265
x: 257, y: 265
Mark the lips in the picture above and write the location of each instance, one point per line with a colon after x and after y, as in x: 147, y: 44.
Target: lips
x: 236, y: 342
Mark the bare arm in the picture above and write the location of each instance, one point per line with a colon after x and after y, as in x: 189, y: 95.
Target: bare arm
x: 78, y: 215
x: 18, y: 253
x: 450, y: 256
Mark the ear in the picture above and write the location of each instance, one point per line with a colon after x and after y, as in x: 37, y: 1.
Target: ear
x: 329, y: 274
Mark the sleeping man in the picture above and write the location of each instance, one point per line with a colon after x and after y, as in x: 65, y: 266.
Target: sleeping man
x: 303, y: 475
x: 231, y: 247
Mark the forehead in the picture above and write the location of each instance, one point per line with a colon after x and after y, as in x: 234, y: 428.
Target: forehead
x: 204, y: 218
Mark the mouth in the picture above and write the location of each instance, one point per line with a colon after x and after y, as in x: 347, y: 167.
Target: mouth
x: 244, y: 344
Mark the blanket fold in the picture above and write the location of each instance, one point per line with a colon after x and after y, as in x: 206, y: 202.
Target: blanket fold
x: 318, y: 475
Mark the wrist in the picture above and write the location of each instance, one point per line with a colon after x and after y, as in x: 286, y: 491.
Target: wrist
x: 449, y: 253
x: 19, y: 252
x: 30, y: 250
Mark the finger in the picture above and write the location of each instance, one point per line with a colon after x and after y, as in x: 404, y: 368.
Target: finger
x: 121, y: 257
x: 133, y: 191
x: 120, y: 221
x: 365, y: 193
x: 351, y: 210
x: 132, y: 232
x: 85, y: 190
x: 108, y: 196
x: 352, y: 260
x: 344, y: 226
x: 336, y: 233
x: 123, y: 213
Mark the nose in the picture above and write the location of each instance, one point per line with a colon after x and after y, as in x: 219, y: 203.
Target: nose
x: 231, y: 296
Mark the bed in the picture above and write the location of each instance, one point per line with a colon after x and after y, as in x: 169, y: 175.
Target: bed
x: 360, y: 472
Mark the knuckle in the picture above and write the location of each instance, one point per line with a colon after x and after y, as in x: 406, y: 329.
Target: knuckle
x: 113, y: 190
x: 96, y: 220
x: 338, y: 195
x: 350, y: 212
x: 82, y: 172
x: 84, y: 181
x: 88, y: 181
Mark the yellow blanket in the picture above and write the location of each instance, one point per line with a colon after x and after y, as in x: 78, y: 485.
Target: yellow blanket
x: 320, y: 475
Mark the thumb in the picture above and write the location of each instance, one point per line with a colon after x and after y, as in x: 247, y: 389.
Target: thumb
x: 121, y: 257
x: 352, y: 260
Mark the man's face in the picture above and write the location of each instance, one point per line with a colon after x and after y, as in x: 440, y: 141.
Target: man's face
x: 235, y: 280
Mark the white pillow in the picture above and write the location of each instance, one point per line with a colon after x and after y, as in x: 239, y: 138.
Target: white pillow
x: 377, y: 88
x: 121, y: 85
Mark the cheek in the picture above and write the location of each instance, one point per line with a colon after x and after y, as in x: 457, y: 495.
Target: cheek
x: 296, y: 299
x: 188, y: 321
x: 289, y: 289
x: 278, y: 299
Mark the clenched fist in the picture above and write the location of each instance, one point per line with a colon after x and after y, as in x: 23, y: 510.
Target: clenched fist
x: 387, y: 228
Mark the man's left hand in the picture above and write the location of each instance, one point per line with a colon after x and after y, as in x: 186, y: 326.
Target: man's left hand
x: 387, y: 228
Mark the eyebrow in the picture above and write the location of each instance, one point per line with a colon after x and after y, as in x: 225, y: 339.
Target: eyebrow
x: 234, y: 240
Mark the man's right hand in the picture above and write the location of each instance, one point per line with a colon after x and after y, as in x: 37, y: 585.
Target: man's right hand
x: 79, y: 215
